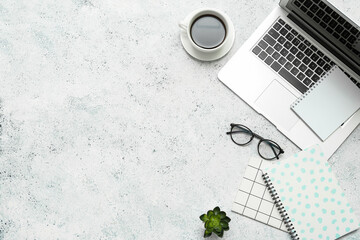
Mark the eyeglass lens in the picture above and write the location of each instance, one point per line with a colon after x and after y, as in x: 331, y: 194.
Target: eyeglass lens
x: 241, y: 135
x: 268, y: 149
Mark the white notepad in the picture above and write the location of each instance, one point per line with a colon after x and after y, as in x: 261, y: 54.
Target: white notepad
x: 253, y: 199
x: 329, y: 103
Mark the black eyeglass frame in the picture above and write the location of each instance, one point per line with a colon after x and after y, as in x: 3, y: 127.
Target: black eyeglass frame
x: 254, y: 135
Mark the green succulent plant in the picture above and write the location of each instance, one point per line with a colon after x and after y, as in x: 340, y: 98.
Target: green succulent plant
x: 215, y: 221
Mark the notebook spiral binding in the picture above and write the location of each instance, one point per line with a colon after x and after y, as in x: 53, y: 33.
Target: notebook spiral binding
x: 280, y: 207
x: 313, y: 87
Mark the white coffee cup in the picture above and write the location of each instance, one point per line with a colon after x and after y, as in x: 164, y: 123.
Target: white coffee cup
x: 186, y: 25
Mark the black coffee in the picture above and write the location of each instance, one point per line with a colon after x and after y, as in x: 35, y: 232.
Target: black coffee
x: 208, y: 31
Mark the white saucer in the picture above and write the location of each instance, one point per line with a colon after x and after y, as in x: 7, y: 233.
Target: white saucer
x: 222, y: 51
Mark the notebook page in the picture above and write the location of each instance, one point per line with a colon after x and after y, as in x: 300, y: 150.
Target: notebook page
x: 253, y: 199
x: 333, y: 100
x: 311, y: 196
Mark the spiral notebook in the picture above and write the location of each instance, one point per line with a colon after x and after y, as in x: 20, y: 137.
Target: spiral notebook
x: 309, y: 198
x: 329, y: 103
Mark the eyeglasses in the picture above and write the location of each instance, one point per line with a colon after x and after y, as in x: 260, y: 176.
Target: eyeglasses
x: 242, y: 135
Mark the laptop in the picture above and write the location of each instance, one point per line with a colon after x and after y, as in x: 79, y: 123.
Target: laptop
x: 299, y: 42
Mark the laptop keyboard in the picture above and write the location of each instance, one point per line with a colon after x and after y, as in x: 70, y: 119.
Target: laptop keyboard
x: 293, y: 57
x: 331, y: 21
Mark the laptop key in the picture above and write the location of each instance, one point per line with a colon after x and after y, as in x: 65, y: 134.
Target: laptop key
x: 307, y: 81
x: 288, y: 45
x: 327, y: 67
x: 304, y: 9
x: 330, y: 30
x: 315, y: 78
x: 308, y: 52
x: 310, y: 14
x: 309, y: 73
x: 345, y: 34
x: 294, y: 71
x: 301, y: 37
x: 339, y: 29
x: 323, y: 24
x: 354, y: 31
x: 284, y: 52
x: 277, y: 26
x: 294, y: 32
x: 290, y: 57
x: 281, y: 21
x: 347, y: 25
x: 288, y: 66
x: 320, y: 53
x: 320, y: 62
x: 282, y: 61
x: 274, y: 33
x: 333, y: 23
x: 301, y: 76
x: 312, y: 66
x: 263, y: 44
x: 316, y: 19
x: 296, y: 62
x: 269, y: 40
x: 287, y: 26
x: 320, y: 13
x: 292, y: 80
x: 335, y: 15
x: 269, y: 60
x: 336, y: 35
x: 300, y: 55
x: 314, y: 57
x: 256, y: 50
x: 307, y: 3
x: 302, y: 67
x: 322, y: 5
x: 314, y: 8
x: 270, y: 50
x: 306, y: 60
x: 341, y: 20
x: 326, y: 18
x: 319, y: 71
x: 289, y: 36
x: 328, y: 10
x: 281, y: 40
x: 302, y: 47
x: 342, y: 40
x: 283, y: 31
x: 296, y: 41
x: 294, y: 50
x: 262, y: 55
x: 352, y: 39
x: 278, y: 47
x: 276, y: 55
x: 275, y: 66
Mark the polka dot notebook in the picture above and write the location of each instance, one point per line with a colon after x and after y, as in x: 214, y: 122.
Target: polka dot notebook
x: 309, y: 198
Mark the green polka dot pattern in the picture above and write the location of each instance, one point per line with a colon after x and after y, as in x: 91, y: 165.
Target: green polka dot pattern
x: 310, y: 193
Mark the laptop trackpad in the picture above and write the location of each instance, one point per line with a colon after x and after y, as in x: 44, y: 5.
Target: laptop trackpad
x: 274, y: 104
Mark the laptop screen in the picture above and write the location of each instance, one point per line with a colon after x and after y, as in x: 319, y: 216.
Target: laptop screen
x: 335, y: 27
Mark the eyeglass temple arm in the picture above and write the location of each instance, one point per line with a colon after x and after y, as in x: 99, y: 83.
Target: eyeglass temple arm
x: 237, y: 132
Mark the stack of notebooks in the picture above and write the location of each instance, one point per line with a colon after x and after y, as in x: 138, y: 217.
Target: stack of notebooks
x: 306, y: 196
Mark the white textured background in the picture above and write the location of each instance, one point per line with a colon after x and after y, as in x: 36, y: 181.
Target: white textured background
x: 109, y: 130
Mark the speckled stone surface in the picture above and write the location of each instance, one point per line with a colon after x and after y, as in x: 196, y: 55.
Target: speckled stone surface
x: 109, y: 130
